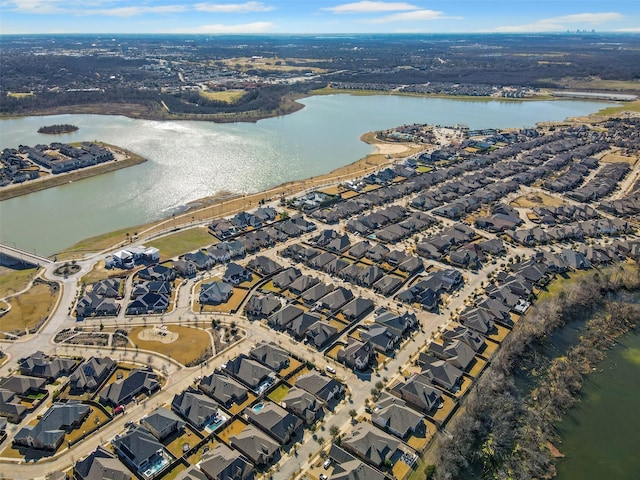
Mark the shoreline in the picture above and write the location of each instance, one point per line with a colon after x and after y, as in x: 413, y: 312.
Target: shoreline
x: 51, y: 181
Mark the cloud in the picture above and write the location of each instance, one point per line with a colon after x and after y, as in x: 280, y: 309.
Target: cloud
x: 414, y: 16
x: 233, y: 7
x: 371, y: 7
x: 133, y: 11
x: 630, y: 30
x: 555, y: 24
x: 256, y: 27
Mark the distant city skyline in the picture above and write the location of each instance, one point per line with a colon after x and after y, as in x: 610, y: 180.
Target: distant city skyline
x: 316, y: 16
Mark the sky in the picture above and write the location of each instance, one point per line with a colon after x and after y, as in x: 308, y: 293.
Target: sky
x: 316, y: 16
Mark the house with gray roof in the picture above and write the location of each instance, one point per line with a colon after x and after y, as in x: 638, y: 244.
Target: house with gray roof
x: 419, y: 392
x: 139, y: 449
x: 108, y: 287
x: 479, y: 320
x: 315, y: 293
x: 336, y: 299
x: 224, y: 463
x: 270, y: 355
x: 456, y: 352
x: 49, y: 432
x: 441, y: 373
x: 195, y: 407
x: 371, y: 444
x: 394, y: 416
x: 299, y: 326
x: 162, y: 423
x: 400, y: 324
x: 356, y: 354
x: 285, y: 278
x: 302, y: 283
x: 139, y: 382
x: 303, y: 404
x: 236, y: 274
x: 264, y: 265
x: 381, y: 338
x: 261, y: 306
x: 40, y: 365
x: 23, y: 384
x: 11, y: 406
x: 320, y: 333
x: 255, y: 445
x: 248, y: 371
x: 215, y: 293
x: 91, y: 374
x: 322, y: 386
x: 224, y: 389
x: 348, y: 467
x: 387, y: 285
x: 99, y: 465
x: 275, y: 421
x: 283, y: 317
x: 357, y: 308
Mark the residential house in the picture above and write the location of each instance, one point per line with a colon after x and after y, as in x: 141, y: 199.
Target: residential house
x: 420, y: 392
x: 40, y: 365
x: 356, y: 354
x: 11, y: 406
x: 456, y: 352
x: 275, y: 421
x: 49, y: 432
x: 286, y: 278
x: 299, y: 326
x: 91, y: 374
x: 323, y: 387
x: 381, y: 338
x: 99, y: 465
x: 261, y: 306
x: 336, y: 299
x: 158, y: 273
x: 195, y: 407
x: 315, y: 293
x: 234, y: 247
x: 270, y: 355
x: 302, y: 403
x: 320, y: 333
x: 224, y: 463
x: 162, y: 423
x: 264, y: 265
x: 371, y: 444
x: 236, y: 274
x: 200, y: 259
x: 139, y: 449
x: 255, y: 445
x: 224, y: 389
x: 185, y: 268
x: 149, y: 303
x: 442, y: 373
x: 215, y: 293
x: 394, y: 416
x: 219, y: 255
x: 302, y: 283
x: 94, y: 305
x: 248, y: 371
x: 283, y: 317
x: 387, y: 285
x: 357, y: 308
x: 400, y: 324
x: 108, y: 287
x: 348, y: 467
x: 139, y: 382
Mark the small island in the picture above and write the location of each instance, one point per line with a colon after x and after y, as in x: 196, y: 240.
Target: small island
x: 58, y: 129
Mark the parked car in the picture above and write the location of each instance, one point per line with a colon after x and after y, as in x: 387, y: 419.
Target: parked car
x: 330, y: 369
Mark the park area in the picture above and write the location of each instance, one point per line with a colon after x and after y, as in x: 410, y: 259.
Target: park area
x: 186, y: 345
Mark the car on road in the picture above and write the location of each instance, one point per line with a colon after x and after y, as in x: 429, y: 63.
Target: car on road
x: 330, y: 369
x: 327, y: 463
x: 323, y: 477
x: 119, y: 409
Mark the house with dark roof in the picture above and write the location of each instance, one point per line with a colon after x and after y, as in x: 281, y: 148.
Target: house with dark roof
x: 285, y: 316
x: 200, y: 259
x: 478, y: 319
x: 139, y: 449
x: 262, y: 306
x: 49, y: 432
x: 224, y: 463
x: 315, y: 293
x: 40, y: 365
x: 11, y: 406
x: 162, y: 423
x: 356, y: 354
x: 121, y: 392
x: 372, y: 444
x: 381, y: 338
x: 99, y: 465
x: 320, y: 333
x: 419, y: 392
x: 323, y: 387
x: 264, y: 265
x: 108, y: 287
x: 400, y: 324
x: 248, y: 371
x: 387, y: 285
x: 23, y: 385
x: 185, y: 268
x: 157, y: 272
x: 302, y: 283
x: 215, y: 293
x: 285, y: 278
x: 336, y: 299
x: 270, y: 355
x: 275, y: 421
x: 357, y: 308
x: 255, y: 445
x: 91, y: 374
x: 195, y: 407
x: 441, y: 373
x: 236, y: 274
x: 348, y: 467
x: 299, y: 326
x: 224, y: 389
x: 394, y: 416
x: 149, y: 303
x: 303, y: 404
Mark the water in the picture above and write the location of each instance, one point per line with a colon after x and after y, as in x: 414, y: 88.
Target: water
x: 191, y: 160
x: 601, y: 434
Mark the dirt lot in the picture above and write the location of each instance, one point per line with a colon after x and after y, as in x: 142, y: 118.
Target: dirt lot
x: 187, y: 346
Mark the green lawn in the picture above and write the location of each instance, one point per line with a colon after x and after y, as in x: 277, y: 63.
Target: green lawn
x: 182, y: 242
x: 279, y: 393
x: 12, y: 281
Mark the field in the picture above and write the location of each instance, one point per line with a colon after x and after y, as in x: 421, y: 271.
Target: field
x: 275, y: 64
x: 189, y: 345
x: 536, y: 200
x: 12, y: 281
x: 29, y: 309
x: 181, y: 242
x: 98, y: 272
x: 613, y: 158
x: 227, y: 96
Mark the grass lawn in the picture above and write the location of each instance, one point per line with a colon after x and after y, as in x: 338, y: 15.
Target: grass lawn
x: 96, y: 418
x: 278, y: 394
x: 20, y: 94
x: 227, y: 96
x: 176, y: 441
x: 98, y: 272
x: 182, y: 242
x: 401, y: 470
x: 235, y: 408
x: 536, y: 200
x: 441, y: 414
x: 197, y: 456
x: 29, y: 308
x: 189, y: 346
x: 231, y: 305
x: 293, y: 365
x: 12, y: 281
x: 95, y: 244
x: 613, y: 158
x: 233, y: 429
x: 177, y: 470
x: 418, y: 443
x: 627, y: 107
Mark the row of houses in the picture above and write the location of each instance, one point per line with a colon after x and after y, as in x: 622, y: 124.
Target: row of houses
x: 595, y: 228
x: 65, y: 158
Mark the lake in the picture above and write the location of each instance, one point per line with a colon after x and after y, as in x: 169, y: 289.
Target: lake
x: 191, y: 160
